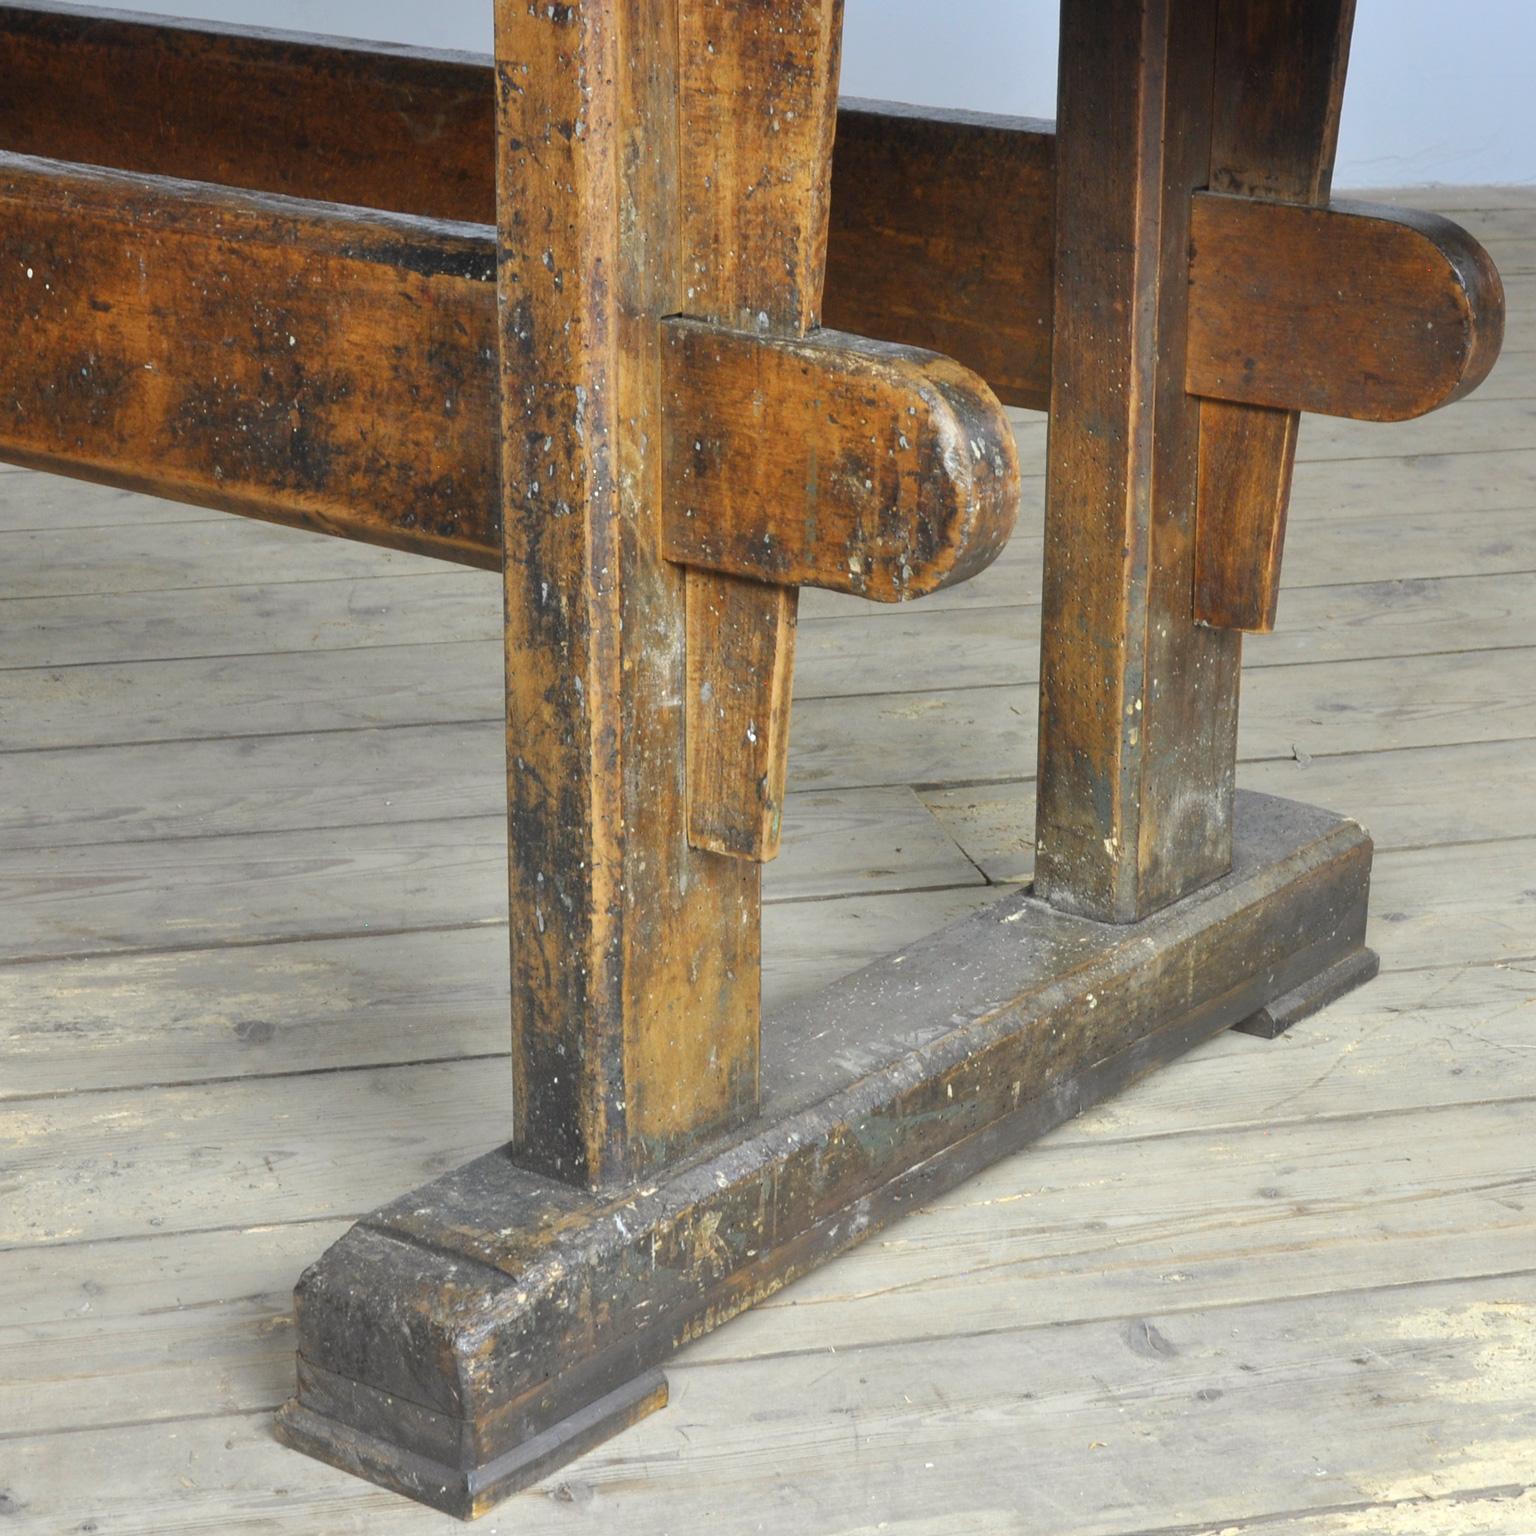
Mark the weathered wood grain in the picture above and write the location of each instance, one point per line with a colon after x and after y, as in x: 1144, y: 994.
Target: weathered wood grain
x: 635, y: 957
x: 1431, y: 796
x: 1271, y: 1219
x: 1353, y: 310
x: 1304, y: 1359
x: 406, y: 129
x: 754, y: 162
x: 1485, y: 494
x: 915, y: 193
x: 741, y: 654
x: 1463, y: 914
x: 956, y: 736
x: 300, y: 423
x: 843, y: 654
x: 926, y: 737
x: 343, y: 1003
x: 843, y: 1144
x: 187, y: 892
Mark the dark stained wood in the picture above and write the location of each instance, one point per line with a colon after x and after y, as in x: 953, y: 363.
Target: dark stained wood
x: 335, y: 369
x: 1246, y: 463
x: 833, y: 462
x: 1138, y: 707
x: 635, y: 958
x: 1376, y: 314
x: 759, y: 78
x: 320, y: 366
x: 874, y: 1100
x: 1312, y: 996
x: 403, y: 129
x: 1281, y: 66
x: 917, y: 193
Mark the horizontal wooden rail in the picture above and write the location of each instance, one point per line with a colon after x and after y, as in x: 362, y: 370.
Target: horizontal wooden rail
x: 401, y: 129
x: 335, y: 368
x: 942, y: 230
x: 327, y: 367
x: 942, y: 223
x: 944, y: 236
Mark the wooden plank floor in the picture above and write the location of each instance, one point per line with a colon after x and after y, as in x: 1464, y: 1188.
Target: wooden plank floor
x: 252, y: 983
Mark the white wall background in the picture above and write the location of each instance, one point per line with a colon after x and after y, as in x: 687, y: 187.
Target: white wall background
x: 1440, y: 90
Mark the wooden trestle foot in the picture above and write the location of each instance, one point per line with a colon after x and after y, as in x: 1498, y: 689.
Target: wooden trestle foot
x: 1312, y: 996
x: 495, y: 1322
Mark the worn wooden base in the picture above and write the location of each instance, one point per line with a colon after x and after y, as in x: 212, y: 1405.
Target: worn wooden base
x: 463, y: 1491
x: 468, y: 1338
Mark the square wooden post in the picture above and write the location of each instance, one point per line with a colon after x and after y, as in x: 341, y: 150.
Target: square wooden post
x: 619, y: 932
x: 1138, y: 702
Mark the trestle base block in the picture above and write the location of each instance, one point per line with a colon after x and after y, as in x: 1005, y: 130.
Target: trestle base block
x: 473, y: 1336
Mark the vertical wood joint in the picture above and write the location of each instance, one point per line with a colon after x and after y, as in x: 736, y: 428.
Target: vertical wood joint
x: 1281, y: 66
x: 760, y: 85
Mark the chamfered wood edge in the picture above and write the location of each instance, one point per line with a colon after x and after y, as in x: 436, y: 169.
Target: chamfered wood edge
x: 486, y: 1308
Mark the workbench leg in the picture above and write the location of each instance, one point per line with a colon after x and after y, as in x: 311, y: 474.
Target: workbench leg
x: 635, y: 957
x: 1138, y: 702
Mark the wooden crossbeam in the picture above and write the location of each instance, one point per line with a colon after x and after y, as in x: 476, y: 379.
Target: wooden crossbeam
x: 325, y: 367
x: 1382, y: 315
x: 916, y: 194
x: 137, y: 282
x: 335, y: 369
x: 402, y: 129
x: 943, y: 236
